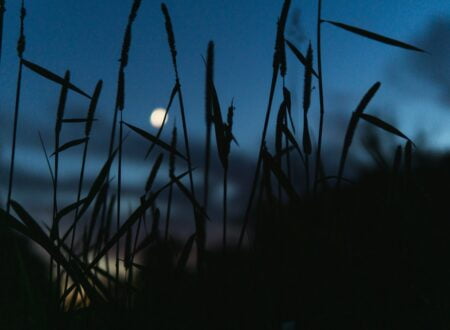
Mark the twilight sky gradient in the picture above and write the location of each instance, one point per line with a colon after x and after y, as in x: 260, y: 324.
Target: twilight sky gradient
x: 85, y: 36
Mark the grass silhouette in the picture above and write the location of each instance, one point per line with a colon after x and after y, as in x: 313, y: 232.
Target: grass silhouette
x: 364, y: 255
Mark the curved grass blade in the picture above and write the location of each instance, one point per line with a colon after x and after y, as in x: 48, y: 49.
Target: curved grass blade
x: 155, y: 140
x: 383, y: 125
x: 352, y: 127
x: 375, y: 36
x: 69, y: 145
x: 52, y: 76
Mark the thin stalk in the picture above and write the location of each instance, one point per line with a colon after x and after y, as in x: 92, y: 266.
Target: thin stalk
x: 277, y: 61
x: 321, y: 98
x: 208, y: 120
x: 259, y: 161
x: 13, y: 150
x: 20, y: 51
x: 199, y: 219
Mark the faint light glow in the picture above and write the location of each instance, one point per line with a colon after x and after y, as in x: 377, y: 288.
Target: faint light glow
x: 157, y: 117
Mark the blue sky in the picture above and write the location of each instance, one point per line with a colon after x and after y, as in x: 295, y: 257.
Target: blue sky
x: 85, y: 36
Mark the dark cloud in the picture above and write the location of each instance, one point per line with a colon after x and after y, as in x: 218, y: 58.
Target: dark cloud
x: 433, y: 69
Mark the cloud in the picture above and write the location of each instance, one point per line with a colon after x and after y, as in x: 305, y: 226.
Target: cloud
x: 435, y: 68
x: 432, y: 69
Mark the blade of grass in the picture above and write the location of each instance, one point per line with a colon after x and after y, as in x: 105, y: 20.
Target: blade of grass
x: 69, y: 145
x: 199, y: 221
x: 20, y: 50
x: 51, y: 76
x: 299, y: 56
x: 374, y: 36
x: 352, y: 127
x: 383, y: 125
x: 276, y: 67
x: 155, y: 140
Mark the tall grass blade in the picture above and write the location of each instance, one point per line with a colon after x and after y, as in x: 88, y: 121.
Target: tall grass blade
x: 155, y: 140
x: 374, y: 36
x: 281, y: 27
x: 383, y: 125
x: 352, y: 126
x: 69, y: 145
x: 51, y: 76
x: 20, y: 50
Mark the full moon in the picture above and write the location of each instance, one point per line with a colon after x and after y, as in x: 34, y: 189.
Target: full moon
x: 157, y: 117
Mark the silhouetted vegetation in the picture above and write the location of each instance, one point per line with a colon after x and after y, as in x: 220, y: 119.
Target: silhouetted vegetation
x: 329, y: 254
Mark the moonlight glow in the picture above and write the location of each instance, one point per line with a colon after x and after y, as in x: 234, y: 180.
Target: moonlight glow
x: 157, y: 117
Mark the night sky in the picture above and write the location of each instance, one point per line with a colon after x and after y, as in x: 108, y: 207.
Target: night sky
x: 85, y: 36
